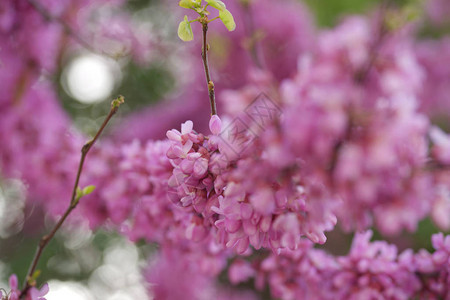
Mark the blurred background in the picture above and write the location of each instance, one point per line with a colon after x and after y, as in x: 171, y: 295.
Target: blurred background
x: 104, y: 265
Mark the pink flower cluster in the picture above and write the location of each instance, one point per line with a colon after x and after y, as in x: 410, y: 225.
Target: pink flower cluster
x: 32, y: 294
x: 438, y: 11
x: 372, y: 270
x: 364, y: 140
x: 189, y: 275
x: 341, y: 135
x: 242, y: 196
x: 33, y: 122
x: 37, y: 129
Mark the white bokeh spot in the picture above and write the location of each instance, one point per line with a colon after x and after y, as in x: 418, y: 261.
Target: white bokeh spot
x: 91, y: 78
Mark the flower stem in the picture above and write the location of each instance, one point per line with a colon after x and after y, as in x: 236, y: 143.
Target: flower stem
x: 73, y: 202
x: 210, y: 84
x: 213, y: 19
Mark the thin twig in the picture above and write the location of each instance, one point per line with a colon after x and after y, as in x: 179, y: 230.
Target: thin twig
x: 434, y: 165
x: 337, y: 149
x: 212, y: 97
x: 253, y: 37
x: 73, y: 202
x: 361, y: 76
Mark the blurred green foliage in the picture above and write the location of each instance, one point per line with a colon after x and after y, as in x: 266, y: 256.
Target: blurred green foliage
x: 144, y: 86
x: 328, y: 12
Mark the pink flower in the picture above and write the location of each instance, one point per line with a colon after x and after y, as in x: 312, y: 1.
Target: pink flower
x: 215, y: 125
x: 240, y: 271
x: 36, y: 294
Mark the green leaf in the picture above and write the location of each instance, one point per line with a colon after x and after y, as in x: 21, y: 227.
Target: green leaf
x: 217, y: 4
x: 227, y: 19
x: 32, y: 280
x: 185, y: 4
x: 36, y: 274
x: 89, y: 189
x: 185, y: 31
x: 411, y: 12
x: 79, y: 193
x: 190, y: 3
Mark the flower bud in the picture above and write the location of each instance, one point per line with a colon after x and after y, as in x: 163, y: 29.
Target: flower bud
x: 215, y: 124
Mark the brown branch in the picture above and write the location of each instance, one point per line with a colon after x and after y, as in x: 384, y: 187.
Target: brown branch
x: 433, y: 165
x: 337, y: 149
x: 212, y: 97
x: 73, y: 201
x: 253, y: 37
x: 361, y: 76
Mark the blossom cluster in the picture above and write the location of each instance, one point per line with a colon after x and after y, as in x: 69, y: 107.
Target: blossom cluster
x: 14, y: 293
x: 371, y: 270
x: 34, y: 35
x: 344, y: 134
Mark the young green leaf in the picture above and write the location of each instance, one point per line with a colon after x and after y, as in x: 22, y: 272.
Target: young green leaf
x: 89, y: 189
x: 190, y: 3
x: 185, y: 4
x: 227, y: 19
x: 79, y: 194
x: 185, y: 31
x: 217, y: 4
x: 36, y: 274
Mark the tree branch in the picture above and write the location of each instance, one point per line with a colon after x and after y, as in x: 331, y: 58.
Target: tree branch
x: 375, y: 48
x: 212, y: 97
x: 74, y: 199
